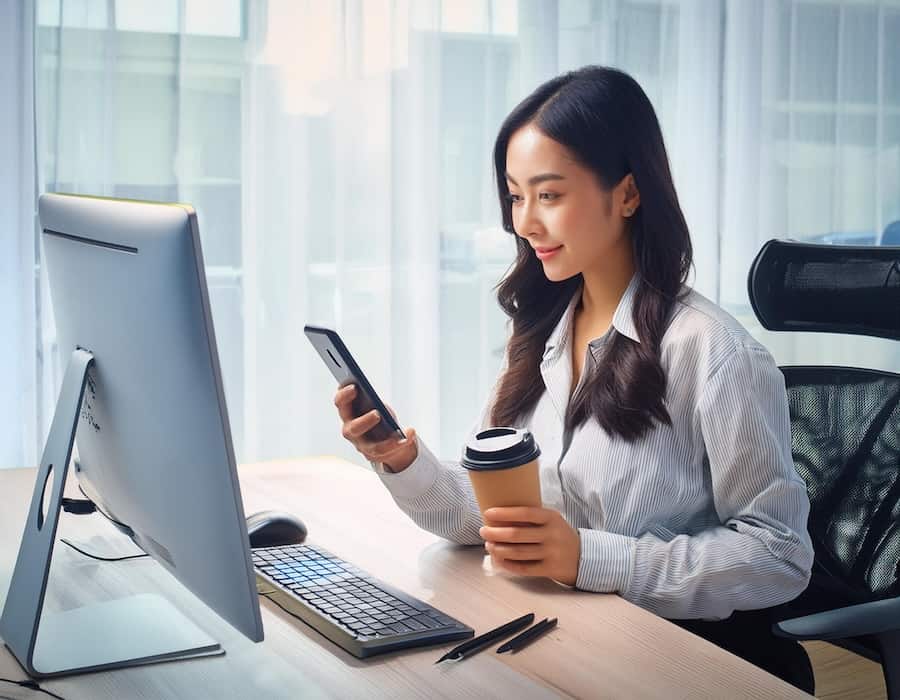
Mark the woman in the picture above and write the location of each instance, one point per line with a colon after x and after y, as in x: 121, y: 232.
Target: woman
x: 666, y: 467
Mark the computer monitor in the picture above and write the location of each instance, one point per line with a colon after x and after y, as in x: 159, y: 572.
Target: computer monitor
x: 143, y: 390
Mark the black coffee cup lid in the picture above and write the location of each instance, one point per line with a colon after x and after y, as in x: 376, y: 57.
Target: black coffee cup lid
x: 500, y: 448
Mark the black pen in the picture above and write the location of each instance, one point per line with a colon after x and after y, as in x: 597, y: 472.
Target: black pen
x: 465, y: 649
x: 528, y: 636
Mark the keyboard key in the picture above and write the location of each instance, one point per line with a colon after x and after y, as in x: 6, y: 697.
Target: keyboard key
x: 428, y: 622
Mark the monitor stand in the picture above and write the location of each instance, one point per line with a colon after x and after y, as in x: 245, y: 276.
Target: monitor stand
x: 138, y: 629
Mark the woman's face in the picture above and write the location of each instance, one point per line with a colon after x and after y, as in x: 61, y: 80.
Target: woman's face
x: 560, y: 208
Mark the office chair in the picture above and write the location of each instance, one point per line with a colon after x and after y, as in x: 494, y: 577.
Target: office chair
x: 845, y: 427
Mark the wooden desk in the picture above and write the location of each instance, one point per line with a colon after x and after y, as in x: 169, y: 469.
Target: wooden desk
x: 604, y: 647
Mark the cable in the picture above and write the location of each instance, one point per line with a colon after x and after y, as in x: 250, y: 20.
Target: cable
x: 98, y: 557
x: 32, y: 685
x: 122, y: 526
x: 86, y: 507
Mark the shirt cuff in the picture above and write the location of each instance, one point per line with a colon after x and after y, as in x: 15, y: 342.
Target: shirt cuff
x: 606, y: 561
x: 414, y: 481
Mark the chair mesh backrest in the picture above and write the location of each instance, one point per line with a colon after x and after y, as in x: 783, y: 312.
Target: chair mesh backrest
x: 845, y: 426
x: 830, y: 288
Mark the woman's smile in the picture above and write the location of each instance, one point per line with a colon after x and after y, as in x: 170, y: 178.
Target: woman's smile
x: 544, y: 253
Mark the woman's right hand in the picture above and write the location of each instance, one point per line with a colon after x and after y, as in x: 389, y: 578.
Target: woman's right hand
x: 395, y: 453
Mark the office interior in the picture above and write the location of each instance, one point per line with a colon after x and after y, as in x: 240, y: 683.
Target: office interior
x: 338, y: 158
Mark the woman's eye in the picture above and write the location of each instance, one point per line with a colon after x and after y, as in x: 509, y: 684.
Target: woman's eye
x: 542, y: 196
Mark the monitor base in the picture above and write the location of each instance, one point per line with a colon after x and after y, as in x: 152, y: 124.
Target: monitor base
x: 139, y: 629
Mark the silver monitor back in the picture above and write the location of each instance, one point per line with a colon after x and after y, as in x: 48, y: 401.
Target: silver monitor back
x: 127, y: 283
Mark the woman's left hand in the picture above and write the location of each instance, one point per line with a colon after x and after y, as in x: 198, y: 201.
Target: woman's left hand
x: 532, y: 542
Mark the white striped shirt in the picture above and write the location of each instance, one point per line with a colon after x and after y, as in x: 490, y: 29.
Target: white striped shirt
x: 693, y: 520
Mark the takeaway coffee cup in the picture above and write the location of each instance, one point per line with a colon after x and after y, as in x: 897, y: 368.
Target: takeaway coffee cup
x: 503, y: 468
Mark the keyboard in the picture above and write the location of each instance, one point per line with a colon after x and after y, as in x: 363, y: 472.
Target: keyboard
x: 354, y: 610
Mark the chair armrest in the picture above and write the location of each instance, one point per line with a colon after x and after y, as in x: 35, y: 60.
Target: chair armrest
x: 852, y: 621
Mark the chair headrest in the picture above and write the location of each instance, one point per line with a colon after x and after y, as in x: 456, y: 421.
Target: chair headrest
x: 827, y: 288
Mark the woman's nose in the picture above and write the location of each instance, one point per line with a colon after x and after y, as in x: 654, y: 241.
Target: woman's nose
x: 526, y: 221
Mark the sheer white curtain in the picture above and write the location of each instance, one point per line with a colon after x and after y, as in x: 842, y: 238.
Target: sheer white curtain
x: 811, y: 146
x: 18, y: 355
x: 673, y: 49
x: 368, y: 188
x: 339, y: 156
x: 138, y: 98
x: 342, y: 214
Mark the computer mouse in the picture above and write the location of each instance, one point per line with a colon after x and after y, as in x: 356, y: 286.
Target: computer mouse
x: 274, y: 528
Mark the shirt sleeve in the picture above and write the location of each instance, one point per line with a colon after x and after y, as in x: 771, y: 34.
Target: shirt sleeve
x: 437, y: 495
x: 760, y: 553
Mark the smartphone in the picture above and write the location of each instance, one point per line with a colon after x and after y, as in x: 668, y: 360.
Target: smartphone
x: 344, y: 368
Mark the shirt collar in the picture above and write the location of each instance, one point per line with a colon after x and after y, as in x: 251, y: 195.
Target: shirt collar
x: 623, y: 319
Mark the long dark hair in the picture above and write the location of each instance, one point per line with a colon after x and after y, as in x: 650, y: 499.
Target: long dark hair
x: 603, y: 117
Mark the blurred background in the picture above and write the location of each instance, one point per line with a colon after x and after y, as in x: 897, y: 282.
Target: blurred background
x: 338, y: 154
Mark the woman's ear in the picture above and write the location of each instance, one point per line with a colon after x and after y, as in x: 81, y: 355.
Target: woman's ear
x: 629, y: 196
